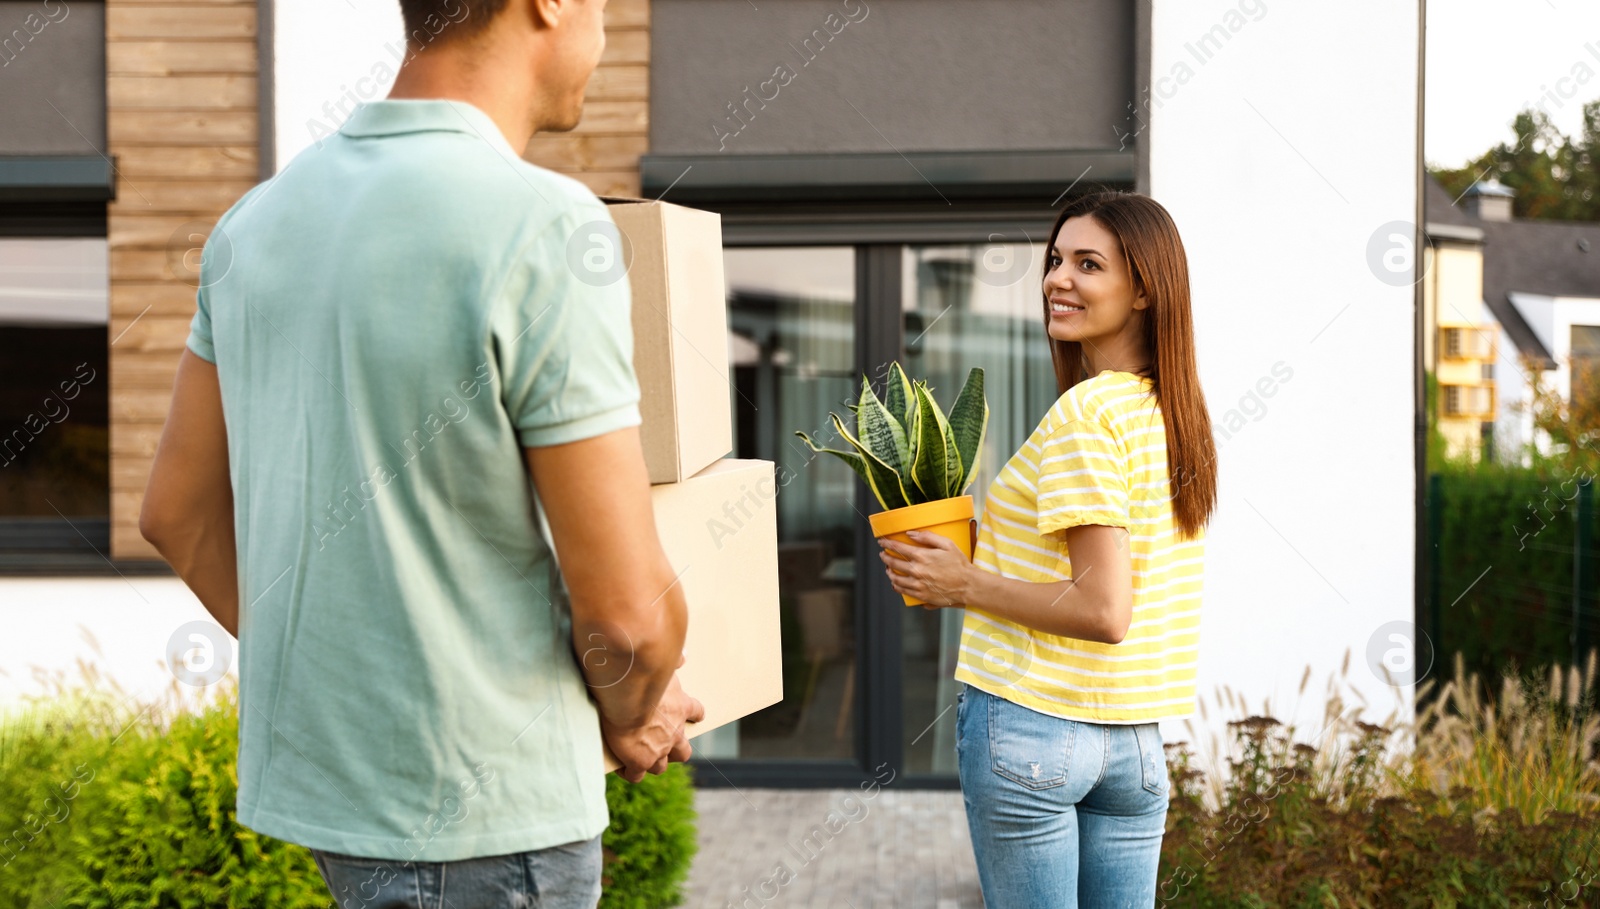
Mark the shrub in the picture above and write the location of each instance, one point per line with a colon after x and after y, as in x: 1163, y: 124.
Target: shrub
x: 651, y: 841
x: 1500, y: 574
x: 1494, y: 806
x: 103, y: 807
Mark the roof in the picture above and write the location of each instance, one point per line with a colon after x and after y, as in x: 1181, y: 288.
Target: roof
x: 1438, y: 208
x: 1551, y: 258
x: 1490, y: 187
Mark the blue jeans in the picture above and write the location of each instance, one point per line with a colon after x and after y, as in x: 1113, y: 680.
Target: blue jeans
x: 560, y: 877
x: 1063, y: 813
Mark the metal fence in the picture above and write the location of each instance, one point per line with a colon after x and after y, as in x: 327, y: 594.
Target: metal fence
x: 1510, y: 569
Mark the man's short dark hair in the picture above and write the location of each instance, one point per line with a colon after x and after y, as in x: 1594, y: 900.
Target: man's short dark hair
x: 428, y: 21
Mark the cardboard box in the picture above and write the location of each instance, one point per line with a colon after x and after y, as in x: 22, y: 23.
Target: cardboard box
x: 720, y: 530
x: 680, y: 334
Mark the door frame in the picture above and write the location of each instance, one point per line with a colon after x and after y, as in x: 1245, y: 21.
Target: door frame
x: 879, y: 245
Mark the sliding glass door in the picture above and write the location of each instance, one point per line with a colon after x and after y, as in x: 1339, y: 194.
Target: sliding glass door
x: 967, y: 306
x: 791, y: 336
x: 867, y: 681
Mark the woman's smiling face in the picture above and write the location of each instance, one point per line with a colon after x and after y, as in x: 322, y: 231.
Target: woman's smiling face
x: 1090, y: 292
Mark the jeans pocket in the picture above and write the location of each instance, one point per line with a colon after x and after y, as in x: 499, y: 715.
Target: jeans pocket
x: 1027, y: 747
x: 1152, y: 758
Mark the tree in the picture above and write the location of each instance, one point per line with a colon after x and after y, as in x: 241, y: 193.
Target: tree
x: 1572, y: 423
x: 1555, y: 177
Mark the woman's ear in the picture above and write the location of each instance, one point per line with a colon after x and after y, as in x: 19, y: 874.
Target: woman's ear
x: 1140, y: 300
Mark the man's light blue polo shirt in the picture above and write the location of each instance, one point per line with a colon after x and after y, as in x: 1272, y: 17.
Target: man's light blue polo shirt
x: 393, y: 317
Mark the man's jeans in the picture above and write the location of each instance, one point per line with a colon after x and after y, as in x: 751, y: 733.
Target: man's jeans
x: 1063, y: 813
x: 560, y: 877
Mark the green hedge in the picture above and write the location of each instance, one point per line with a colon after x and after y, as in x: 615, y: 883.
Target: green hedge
x: 99, y: 809
x: 1501, y: 549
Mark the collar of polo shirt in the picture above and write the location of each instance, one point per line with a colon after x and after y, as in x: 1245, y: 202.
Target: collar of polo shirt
x: 399, y: 116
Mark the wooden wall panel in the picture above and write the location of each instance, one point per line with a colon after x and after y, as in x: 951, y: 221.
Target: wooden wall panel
x: 181, y: 114
x: 603, y: 151
x: 182, y: 122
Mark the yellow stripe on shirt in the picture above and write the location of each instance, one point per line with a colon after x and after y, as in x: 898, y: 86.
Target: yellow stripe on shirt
x: 1098, y: 457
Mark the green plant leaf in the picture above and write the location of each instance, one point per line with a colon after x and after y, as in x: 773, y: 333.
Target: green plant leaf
x: 884, y: 481
x: 902, y: 399
x: 856, y: 462
x: 955, y: 471
x: 936, y: 458
x: 969, y: 420
x: 881, y: 431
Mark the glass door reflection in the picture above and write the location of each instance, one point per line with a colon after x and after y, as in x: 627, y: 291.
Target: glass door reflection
x: 966, y: 306
x: 791, y: 324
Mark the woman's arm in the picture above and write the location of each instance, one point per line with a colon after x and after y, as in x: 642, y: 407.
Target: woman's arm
x: 1096, y: 604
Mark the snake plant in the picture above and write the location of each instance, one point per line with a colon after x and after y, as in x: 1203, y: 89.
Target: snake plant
x: 904, y: 447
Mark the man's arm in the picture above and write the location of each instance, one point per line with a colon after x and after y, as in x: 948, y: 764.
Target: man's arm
x: 188, y: 503
x: 629, y: 616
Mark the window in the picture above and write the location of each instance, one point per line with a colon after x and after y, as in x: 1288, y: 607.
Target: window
x: 1469, y: 400
x: 967, y: 305
x: 54, y: 444
x: 804, y: 323
x: 1468, y: 342
x: 1585, y: 365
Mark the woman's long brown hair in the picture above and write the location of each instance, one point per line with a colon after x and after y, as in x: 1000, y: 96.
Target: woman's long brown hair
x: 1159, y: 268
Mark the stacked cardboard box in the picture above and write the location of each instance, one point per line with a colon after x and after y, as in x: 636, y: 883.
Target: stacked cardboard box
x: 716, y: 516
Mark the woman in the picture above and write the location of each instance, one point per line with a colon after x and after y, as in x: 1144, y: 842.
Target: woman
x: 1082, y: 598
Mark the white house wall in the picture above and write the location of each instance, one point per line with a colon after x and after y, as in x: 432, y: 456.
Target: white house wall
x: 1306, y: 347
x: 1252, y: 131
x: 1569, y: 312
x: 327, y: 58
x: 1513, y: 423
x: 1552, y: 319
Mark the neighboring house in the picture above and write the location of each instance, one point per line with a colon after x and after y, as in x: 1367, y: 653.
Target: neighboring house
x: 886, y: 172
x: 1462, y: 336
x: 1519, y: 299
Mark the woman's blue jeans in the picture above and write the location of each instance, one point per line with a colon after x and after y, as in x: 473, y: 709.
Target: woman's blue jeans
x: 1063, y: 813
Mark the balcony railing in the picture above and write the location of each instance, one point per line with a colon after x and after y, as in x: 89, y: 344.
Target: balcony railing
x: 1468, y: 401
x: 1468, y: 342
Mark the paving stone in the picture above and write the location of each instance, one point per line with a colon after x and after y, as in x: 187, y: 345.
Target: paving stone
x: 832, y: 849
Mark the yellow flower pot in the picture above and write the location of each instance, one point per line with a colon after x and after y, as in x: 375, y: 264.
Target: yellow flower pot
x: 949, y: 518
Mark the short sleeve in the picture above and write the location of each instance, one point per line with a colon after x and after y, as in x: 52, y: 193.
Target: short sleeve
x: 1081, y: 478
x: 564, y: 343
x: 200, y: 329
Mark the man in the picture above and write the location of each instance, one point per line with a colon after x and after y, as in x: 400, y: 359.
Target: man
x: 392, y: 370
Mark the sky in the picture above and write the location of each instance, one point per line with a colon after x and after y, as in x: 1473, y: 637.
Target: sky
x: 1488, y: 59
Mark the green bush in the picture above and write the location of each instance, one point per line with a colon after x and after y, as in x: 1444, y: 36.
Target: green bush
x: 102, y: 809
x: 651, y: 841
x: 1496, y: 806
x: 1500, y: 567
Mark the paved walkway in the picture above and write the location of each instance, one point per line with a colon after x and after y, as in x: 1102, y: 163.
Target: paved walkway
x: 832, y: 849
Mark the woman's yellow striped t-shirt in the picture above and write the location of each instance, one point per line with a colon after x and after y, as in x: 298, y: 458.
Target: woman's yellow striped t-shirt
x: 1098, y: 457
